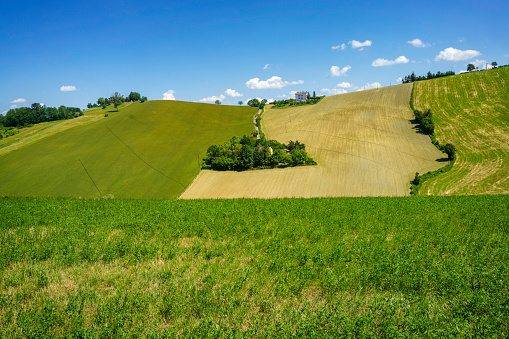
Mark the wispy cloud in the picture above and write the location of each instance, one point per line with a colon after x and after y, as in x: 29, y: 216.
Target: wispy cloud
x: 335, y: 71
x: 418, y: 43
x: 340, y: 47
x: 169, y: 95
x: 68, y: 89
x: 213, y: 98
x: 274, y: 82
x: 369, y: 86
x: 19, y: 101
x: 13, y: 106
x: 453, y: 54
x: 267, y: 66
x: 334, y: 91
x: 384, y: 62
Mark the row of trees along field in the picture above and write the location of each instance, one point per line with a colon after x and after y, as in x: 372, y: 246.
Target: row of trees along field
x: 117, y: 99
x: 291, y: 102
x: 37, y: 113
x: 246, y: 153
x: 412, y: 77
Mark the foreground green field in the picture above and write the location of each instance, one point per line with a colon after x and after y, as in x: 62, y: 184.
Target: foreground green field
x: 470, y: 111
x: 365, y: 144
x: 350, y: 267
x: 147, y: 150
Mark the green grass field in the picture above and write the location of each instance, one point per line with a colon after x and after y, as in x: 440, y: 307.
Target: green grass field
x: 470, y: 111
x: 147, y: 150
x: 349, y: 267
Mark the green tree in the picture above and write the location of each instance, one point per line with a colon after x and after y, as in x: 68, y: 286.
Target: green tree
x: 143, y: 99
x: 218, y: 102
x: 450, y: 150
x: 246, y: 156
x: 101, y: 101
x: 253, y: 103
x: 494, y: 64
x: 470, y: 67
x: 117, y: 101
x: 240, y: 103
x: 134, y: 96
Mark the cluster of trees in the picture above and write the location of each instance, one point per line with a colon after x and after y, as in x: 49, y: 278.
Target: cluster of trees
x: 291, y: 102
x: 246, y: 153
x: 37, y: 113
x: 412, y: 77
x: 117, y: 99
x: 256, y: 103
x: 425, y: 119
x: 471, y: 67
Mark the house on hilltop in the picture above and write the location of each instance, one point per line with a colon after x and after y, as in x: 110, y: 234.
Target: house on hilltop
x: 301, y: 96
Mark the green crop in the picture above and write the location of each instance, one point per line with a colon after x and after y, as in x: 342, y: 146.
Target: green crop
x: 348, y: 267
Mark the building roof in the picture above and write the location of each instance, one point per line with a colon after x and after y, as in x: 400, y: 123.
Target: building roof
x: 301, y: 93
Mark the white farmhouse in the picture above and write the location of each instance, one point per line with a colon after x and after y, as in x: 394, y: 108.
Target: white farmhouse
x: 301, y: 96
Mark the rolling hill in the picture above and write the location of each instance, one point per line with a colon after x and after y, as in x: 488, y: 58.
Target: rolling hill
x: 365, y: 143
x: 470, y: 111
x: 147, y: 150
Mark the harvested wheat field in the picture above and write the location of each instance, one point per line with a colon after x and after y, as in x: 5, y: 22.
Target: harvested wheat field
x: 365, y: 144
x: 471, y: 112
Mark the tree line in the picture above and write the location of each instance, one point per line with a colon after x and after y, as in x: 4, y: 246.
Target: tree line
x: 117, y: 99
x: 37, y: 113
x: 246, y: 153
x: 291, y: 102
x: 412, y: 77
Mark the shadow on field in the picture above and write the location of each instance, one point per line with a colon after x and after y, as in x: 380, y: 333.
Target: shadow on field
x: 418, y: 127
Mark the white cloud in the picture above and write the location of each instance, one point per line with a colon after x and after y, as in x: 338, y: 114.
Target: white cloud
x: 361, y: 45
x: 18, y: 101
x: 68, y: 88
x: 267, y: 66
x: 282, y: 96
x: 336, y: 72
x: 340, y: 47
x: 213, y: 98
x: 400, y: 79
x: 482, y: 64
x: 3, y: 113
x: 369, y: 86
x: 232, y: 93
x: 453, y: 54
x: 13, y: 106
x: 169, y: 95
x: 274, y: 82
x: 42, y: 104
x: 418, y: 43
x: 344, y: 85
x: 384, y: 62
x: 334, y: 91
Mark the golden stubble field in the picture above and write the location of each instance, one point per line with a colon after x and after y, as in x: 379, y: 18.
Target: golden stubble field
x: 364, y: 142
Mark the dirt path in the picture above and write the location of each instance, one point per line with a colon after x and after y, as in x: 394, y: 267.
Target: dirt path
x: 256, y: 123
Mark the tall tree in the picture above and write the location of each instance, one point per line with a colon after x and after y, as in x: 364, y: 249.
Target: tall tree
x: 470, y: 67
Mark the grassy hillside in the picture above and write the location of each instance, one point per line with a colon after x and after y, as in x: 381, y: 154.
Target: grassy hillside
x: 147, y: 150
x: 472, y: 112
x: 364, y: 143
x: 360, y: 267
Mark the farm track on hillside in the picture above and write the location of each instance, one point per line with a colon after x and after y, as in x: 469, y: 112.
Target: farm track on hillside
x: 365, y: 144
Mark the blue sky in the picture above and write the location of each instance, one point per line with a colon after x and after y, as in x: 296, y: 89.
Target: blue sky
x: 71, y: 53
